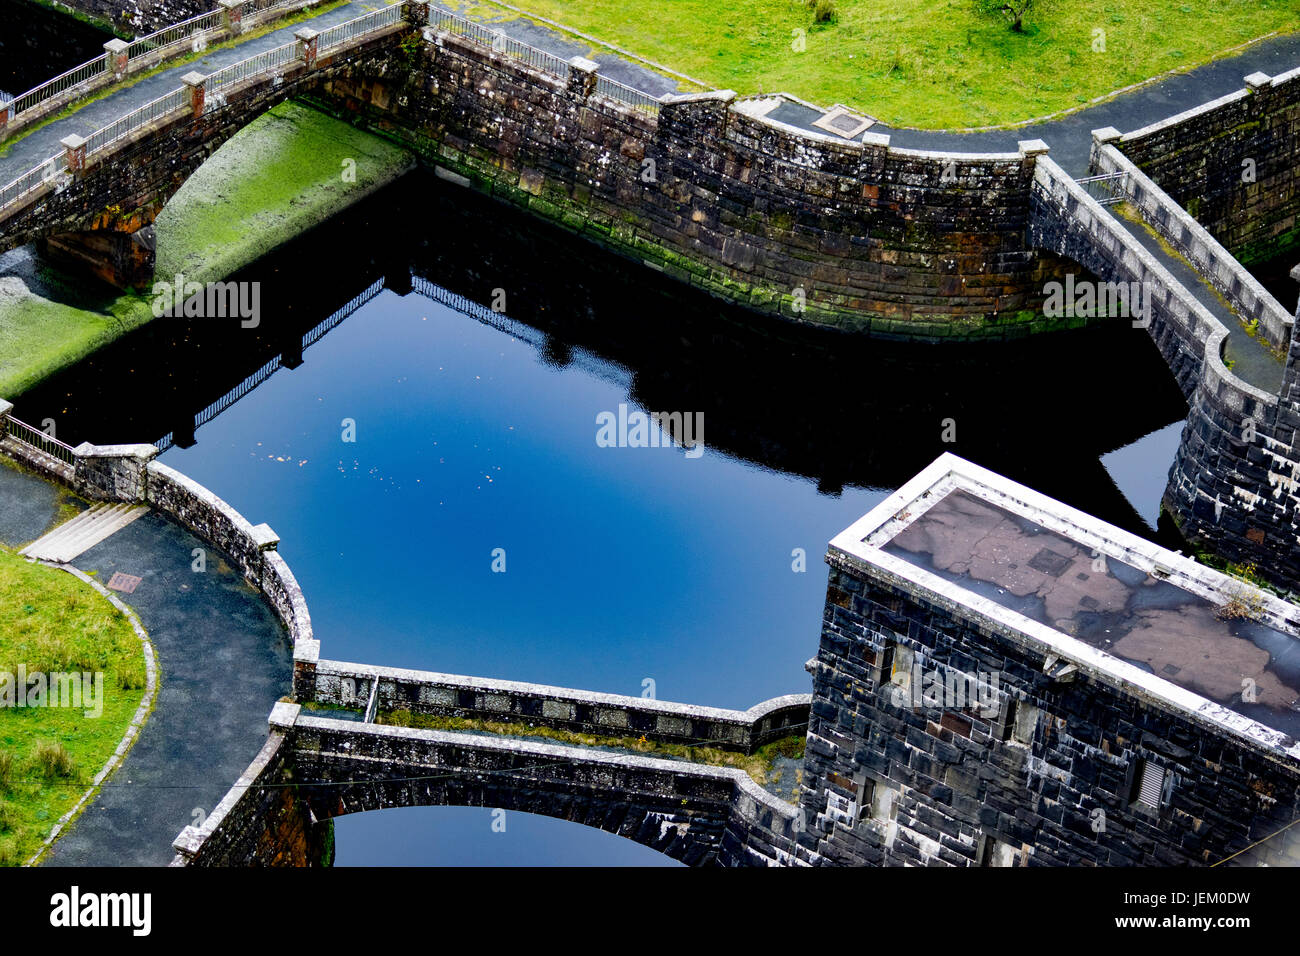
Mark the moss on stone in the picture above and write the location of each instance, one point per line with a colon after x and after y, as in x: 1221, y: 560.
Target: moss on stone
x: 277, y: 178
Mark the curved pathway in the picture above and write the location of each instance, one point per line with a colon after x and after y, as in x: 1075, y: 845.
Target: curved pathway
x: 225, y: 661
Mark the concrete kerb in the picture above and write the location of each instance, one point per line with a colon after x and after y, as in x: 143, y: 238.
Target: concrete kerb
x: 138, y: 720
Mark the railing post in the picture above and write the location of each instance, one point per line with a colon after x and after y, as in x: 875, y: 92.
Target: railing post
x: 5, y: 409
x: 1257, y: 81
x: 197, y: 84
x: 417, y: 12
x: 306, y: 657
x: 582, y: 77
x: 232, y: 16
x: 6, y: 116
x: 75, y: 153
x: 115, y: 57
x: 307, y: 39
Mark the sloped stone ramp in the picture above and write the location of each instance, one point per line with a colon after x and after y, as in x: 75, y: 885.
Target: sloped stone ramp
x: 73, y: 538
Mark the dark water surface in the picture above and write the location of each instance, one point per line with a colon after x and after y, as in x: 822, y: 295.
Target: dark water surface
x: 38, y: 44
x: 622, y: 564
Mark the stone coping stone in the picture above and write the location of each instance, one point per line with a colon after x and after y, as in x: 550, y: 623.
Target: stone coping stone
x: 488, y: 685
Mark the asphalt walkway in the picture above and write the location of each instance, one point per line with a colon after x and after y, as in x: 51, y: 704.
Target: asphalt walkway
x: 224, y: 658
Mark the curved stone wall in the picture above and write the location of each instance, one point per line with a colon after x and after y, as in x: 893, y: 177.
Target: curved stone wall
x: 855, y: 234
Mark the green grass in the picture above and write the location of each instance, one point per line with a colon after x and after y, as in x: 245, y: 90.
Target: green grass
x: 278, y: 177
x: 50, y: 621
x: 933, y: 64
x: 759, y: 765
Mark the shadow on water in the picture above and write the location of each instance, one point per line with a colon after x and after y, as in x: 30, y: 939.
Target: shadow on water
x: 37, y: 44
x: 840, y: 410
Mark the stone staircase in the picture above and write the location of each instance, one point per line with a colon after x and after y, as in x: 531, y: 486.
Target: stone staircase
x: 75, y: 537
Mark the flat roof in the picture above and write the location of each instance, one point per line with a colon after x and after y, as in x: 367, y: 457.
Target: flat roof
x: 1120, y: 608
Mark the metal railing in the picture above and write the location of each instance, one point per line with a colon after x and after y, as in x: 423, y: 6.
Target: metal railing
x: 360, y: 26
x: 195, y: 28
x: 90, y: 70
x: 626, y: 95
x: 175, y: 33
x: 21, y: 431
x: 499, y: 42
x: 269, y: 61
x: 449, y: 22
x: 153, y: 110
x: 32, y: 179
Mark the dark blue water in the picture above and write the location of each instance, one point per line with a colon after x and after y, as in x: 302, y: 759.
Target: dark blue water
x: 622, y: 565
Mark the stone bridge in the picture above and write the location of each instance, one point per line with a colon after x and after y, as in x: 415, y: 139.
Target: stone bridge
x: 95, y: 204
x: 316, y: 766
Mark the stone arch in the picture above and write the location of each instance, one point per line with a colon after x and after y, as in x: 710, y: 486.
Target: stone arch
x: 99, y: 214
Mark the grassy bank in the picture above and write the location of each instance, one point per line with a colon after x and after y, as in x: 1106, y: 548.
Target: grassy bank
x: 51, y: 622
x: 933, y: 64
x: 276, y: 179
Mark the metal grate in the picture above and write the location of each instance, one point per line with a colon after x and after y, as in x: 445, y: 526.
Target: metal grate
x: 1151, y: 784
x: 1107, y: 188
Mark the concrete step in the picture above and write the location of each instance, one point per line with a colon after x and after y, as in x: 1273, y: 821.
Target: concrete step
x: 75, y: 537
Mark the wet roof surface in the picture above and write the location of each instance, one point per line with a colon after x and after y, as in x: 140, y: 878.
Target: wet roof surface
x: 1125, y: 612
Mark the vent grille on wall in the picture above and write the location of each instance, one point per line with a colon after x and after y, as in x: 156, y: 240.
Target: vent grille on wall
x: 1151, y: 782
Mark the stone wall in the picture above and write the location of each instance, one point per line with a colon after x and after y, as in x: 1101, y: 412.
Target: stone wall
x: 1234, y: 487
x: 587, y: 712
x: 129, y: 473
x: 1245, y: 293
x: 855, y: 234
x: 1233, y: 164
x: 262, y: 820
x: 138, y: 17
x: 681, y: 809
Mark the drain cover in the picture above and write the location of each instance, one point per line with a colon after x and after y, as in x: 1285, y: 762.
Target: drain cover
x: 844, y: 123
x: 1049, y: 562
x: 126, y: 583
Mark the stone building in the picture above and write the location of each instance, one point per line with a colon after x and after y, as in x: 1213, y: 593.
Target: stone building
x: 1003, y: 681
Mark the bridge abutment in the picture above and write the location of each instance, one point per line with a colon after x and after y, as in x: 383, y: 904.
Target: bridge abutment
x: 124, y: 260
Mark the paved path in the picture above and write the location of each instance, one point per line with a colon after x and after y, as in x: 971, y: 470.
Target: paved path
x: 225, y: 661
